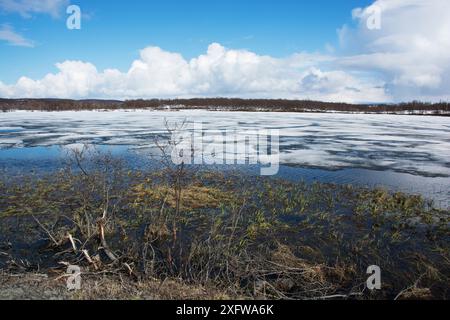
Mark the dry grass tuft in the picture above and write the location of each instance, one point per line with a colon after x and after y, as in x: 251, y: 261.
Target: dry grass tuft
x: 192, y: 197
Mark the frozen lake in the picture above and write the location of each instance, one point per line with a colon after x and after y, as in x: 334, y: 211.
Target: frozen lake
x: 406, y: 153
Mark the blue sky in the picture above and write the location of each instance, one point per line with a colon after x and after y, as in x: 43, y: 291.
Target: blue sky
x: 318, y: 49
x: 114, y: 31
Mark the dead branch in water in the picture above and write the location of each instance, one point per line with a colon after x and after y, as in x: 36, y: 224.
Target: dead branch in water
x: 104, y: 245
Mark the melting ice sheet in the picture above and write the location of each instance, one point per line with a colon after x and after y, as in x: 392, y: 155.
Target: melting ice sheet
x: 410, y: 147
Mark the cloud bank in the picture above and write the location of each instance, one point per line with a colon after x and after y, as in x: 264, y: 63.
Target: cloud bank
x: 408, y: 58
x: 218, y: 72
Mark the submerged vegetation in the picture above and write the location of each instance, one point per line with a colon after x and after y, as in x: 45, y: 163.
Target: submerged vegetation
x: 222, y: 234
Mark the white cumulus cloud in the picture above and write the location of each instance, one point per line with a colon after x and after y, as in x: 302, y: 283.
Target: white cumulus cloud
x: 218, y: 72
x: 411, y: 50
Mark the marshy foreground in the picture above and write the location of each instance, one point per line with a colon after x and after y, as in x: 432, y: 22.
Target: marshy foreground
x: 179, y: 232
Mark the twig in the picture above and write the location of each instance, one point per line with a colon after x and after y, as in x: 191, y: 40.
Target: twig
x: 89, y: 259
x: 45, y: 229
x: 72, y: 242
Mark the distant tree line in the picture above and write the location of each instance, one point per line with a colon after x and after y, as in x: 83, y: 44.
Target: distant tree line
x: 227, y: 104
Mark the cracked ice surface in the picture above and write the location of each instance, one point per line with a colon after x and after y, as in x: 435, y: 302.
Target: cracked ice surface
x: 418, y: 145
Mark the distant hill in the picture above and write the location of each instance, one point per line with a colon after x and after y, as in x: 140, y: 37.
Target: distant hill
x: 224, y: 104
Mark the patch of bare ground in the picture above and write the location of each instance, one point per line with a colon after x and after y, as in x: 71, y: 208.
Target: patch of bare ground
x: 30, y: 287
x: 34, y: 286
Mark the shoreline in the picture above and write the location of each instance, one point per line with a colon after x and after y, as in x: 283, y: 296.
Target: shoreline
x: 403, y: 113
x: 228, y: 104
